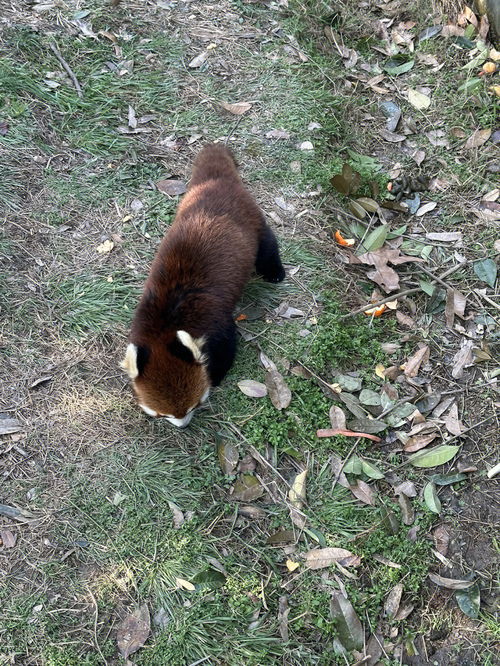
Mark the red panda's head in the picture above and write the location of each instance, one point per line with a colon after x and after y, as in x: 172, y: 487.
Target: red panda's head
x: 169, y: 378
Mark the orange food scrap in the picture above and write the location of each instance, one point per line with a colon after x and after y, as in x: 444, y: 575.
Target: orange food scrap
x: 376, y: 312
x: 241, y: 317
x: 489, y: 68
x: 346, y: 242
x: 389, y: 187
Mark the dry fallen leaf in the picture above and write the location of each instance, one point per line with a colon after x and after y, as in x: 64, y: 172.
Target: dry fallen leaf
x: 172, y: 187
x: 413, y: 364
x: 337, y: 418
x: 445, y: 236
x: 297, y: 493
x: 252, y: 388
x: 178, y: 516
x: 450, y: 583
x: 277, y: 134
x: 279, y: 393
x: 393, y: 601
x: 477, y: 139
x: 198, y: 60
x: 464, y: 358
x: 133, y: 631
x: 451, y: 421
x: 9, y: 426
x: 238, y: 108
x: 426, y: 208
x: 455, y: 305
x: 362, y: 491
x: 441, y: 539
x: 8, y: 538
x: 418, y: 99
x: 418, y: 442
x: 320, y: 558
x: 183, y: 584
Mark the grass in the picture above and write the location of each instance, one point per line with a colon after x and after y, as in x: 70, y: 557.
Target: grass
x: 100, y: 478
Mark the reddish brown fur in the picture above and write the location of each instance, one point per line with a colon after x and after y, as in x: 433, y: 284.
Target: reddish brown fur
x: 195, y: 280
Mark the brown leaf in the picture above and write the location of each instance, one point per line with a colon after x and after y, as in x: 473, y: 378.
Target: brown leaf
x: 171, y: 187
x: 266, y: 362
x: 4, y: 127
x: 320, y: 558
x: 419, y: 156
x: 277, y: 134
x: 418, y: 442
x: 451, y: 421
x: 281, y: 536
x: 133, y: 631
x: 404, y: 320
x: 393, y: 601
x: 386, y: 277
x: 363, y: 492
x: 247, y: 488
x: 339, y: 476
x: 279, y: 393
x: 406, y: 487
x: 337, y: 417
x: 8, y: 538
x: 441, y: 539
x: 407, y: 511
x: 178, y: 516
x: 392, y: 137
x: 238, y: 108
x: 450, y: 583
x: 228, y: 457
x: 462, y: 359
x: 283, y: 611
x: 413, y: 364
x: 477, y: 139
x: 252, y: 388
x: 252, y: 512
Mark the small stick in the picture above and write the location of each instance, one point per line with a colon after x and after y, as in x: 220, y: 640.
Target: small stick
x: 68, y: 69
x: 332, y: 432
x: 487, y: 299
x: 370, y: 306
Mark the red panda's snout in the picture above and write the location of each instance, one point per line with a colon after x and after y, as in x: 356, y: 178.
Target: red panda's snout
x: 169, y: 380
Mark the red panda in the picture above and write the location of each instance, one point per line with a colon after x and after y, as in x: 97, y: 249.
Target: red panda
x: 183, y: 336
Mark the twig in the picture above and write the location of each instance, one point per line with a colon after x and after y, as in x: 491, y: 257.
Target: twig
x: 393, y: 297
x: 487, y: 299
x: 95, y: 626
x: 68, y: 69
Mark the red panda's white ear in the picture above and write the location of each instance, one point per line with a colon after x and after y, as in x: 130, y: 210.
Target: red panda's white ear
x: 195, y: 345
x: 129, y: 363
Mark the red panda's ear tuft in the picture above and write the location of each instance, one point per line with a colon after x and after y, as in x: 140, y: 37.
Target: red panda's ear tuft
x: 195, y: 345
x: 129, y: 363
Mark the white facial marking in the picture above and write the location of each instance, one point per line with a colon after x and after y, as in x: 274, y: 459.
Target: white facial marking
x: 129, y: 363
x: 180, y: 423
x: 149, y: 412
x: 204, y: 397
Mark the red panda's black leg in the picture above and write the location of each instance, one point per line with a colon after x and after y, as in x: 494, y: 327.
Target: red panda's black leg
x: 220, y: 349
x: 268, y: 261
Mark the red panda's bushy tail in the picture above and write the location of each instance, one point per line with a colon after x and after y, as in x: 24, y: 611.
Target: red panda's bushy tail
x: 214, y: 161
